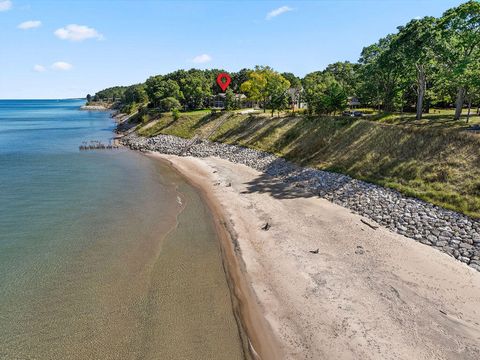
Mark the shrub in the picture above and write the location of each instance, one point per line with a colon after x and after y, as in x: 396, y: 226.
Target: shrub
x: 176, y: 114
x: 169, y: 104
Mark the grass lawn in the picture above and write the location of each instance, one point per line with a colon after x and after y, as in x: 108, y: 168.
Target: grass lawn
x: 433, y: 159
x: 437, y: 118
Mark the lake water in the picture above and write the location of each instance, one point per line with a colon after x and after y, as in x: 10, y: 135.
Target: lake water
x: 104, y: 254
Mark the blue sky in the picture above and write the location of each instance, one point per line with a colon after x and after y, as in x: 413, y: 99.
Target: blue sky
x: 68, y: 48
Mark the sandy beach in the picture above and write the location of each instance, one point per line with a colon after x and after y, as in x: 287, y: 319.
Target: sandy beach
x: 366, y: 294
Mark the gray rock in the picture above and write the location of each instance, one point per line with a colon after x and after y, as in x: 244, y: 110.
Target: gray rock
x: 445, y: 230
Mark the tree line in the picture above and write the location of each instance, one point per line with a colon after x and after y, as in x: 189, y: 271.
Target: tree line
x: 427, y: 62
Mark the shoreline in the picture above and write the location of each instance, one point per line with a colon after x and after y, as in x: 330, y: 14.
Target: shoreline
x: 94, y: 108
x: 452, y: 233
x: 320, y: 306
x: 254, y: 332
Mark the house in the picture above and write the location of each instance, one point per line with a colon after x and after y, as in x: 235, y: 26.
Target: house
x: 295, y: 95
x: 353, y: 102
x: 218, y: 101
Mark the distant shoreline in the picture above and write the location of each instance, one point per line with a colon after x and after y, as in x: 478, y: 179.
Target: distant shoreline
x: 94, y: 108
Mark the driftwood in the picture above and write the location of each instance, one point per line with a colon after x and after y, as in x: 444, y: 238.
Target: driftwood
x: 374, y: 227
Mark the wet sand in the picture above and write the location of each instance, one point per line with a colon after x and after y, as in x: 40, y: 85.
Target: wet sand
x: 256, y: 336
x: 131, y: 271
x: 366, y: 294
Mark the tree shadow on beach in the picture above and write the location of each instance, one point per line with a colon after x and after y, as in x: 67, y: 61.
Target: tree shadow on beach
x: 276, y: 186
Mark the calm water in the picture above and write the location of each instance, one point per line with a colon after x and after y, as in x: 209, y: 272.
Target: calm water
x: 103, y: 254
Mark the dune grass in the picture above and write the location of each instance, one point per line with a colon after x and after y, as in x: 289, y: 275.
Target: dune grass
x: 439, y: 164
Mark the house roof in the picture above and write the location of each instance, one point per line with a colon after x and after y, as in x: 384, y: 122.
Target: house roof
x: 237, y: 96
x: 352, y: 100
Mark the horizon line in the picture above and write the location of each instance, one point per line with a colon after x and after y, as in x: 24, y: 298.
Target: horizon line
x: 69, y: 98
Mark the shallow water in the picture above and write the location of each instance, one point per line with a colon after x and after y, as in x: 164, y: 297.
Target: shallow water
x: 103, y: 254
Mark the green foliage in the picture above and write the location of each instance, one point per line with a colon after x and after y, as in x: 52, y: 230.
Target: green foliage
x: 295, y: 82
x: 323, y: 94
x: 110, y: 94
x: 429, y: 61
x: 135, y: 94
x: 459, y: 49
x: 175, y: 114
x: 169, y: 104
x: 434, y: 164
x: 381, y: 74
x: 277, y: 87
x: 256, y: 85
x: 238, y: 79
x: 230, y: 101
x: 158, y: 88
x: 346, y: 74
x: 266, y: 86
x: 194, y: 85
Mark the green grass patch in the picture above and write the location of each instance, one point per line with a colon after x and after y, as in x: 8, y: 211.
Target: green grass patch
x: 437, y: 163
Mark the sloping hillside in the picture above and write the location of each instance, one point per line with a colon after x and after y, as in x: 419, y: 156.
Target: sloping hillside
x: 441, y: 166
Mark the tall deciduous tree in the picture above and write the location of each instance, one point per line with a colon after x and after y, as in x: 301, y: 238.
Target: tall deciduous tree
x: 346, y: 74
x: 381, y: 75
x: 266, y: 86
x: 256, y: 85
x: 460, y: 47
x: 135, y: 94
x: 323, y: 93
x: 238, y: 78
x: 277, y: 87
x: 195, y: 86
x: 158, y: 88
x: 415, y: 45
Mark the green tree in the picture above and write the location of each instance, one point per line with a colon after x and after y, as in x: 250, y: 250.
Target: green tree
x: 211, y: 79
x: 277, y: 87
x: 324, y: 94
x: 158, y: 88
x: 169, y: 104
x: 230, y: 101
x: 195, y: 87
x: 381, y: 75
x: 266, y: 86
x: 459, y: 48
x: 238, y: 78
x: 294, y: 81
x: 346, y: 74
x: 256, y: 85
x: 110, y: 94
x: 415, y: 46
x: 135, y: 94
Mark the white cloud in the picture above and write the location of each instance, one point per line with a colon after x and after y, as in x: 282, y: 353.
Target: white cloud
x: 201, y: 59
x: 39, y: 68
x: 74, y: 32
x: 61, y: 65
x: 281, y: 10
x: 31, y: 24
x: 5, y: 5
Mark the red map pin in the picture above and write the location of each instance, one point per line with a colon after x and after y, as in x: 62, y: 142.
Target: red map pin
x: 223, y: 80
